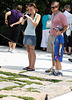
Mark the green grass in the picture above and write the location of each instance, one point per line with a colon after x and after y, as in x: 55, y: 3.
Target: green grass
x: 9, y: 88
x: 1, y: 96
x: 9, y: 73
x: 21, y: 85
x: 32, y: 90
x: 14, y: 75
x: 32, y: 77
x: 23, y: 71
x: 25, y: 98
x: 54, y: 80
x: 2, y: 80
x: 21, y: 76
x: 69, y: 81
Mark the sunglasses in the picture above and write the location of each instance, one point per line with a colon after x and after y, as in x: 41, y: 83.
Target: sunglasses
x: 53, y: 7
x: 31, y: 5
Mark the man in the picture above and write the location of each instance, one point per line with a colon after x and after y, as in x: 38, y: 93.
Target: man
x: 58, y: 18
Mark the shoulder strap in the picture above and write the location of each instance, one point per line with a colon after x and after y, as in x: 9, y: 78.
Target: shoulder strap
x: 49, y: 17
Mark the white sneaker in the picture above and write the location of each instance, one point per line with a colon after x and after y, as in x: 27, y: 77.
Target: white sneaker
x: 12, y: 51
x: 9, y: 50
x: 50, y: 70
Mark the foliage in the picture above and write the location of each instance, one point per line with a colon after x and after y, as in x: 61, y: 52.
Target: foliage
x: 5, y: 5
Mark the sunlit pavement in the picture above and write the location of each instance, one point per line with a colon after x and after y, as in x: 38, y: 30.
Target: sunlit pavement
x: 19, y: 59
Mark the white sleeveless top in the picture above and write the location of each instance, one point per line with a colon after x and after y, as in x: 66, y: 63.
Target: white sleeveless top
x: 30, y: 29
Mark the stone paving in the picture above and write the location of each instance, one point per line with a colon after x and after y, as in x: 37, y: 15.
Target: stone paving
x: 36, y: 85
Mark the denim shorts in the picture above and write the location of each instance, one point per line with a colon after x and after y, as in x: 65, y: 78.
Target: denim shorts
x: 29, y: 40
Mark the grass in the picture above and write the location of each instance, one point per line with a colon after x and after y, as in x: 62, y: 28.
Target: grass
x: 1, y: 96
x: 21, y: 85
x: 14, y: 75
x: 9, y: 73
x: 54, y: 80
x: 32, y: 90
x: 33, y: 77
x: 69, y: 81
x: 23, y: 71
x: 2, y: 80
x: 25, y: 98
x: 21, y: 76
x: 25, y: 81
x: 9, y: 88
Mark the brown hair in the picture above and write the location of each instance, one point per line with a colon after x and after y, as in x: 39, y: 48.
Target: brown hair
x: 19, y: 7
x: 67, y: 6
x: 55, y: 3
x: 47, y: 11
x: 34, y: 5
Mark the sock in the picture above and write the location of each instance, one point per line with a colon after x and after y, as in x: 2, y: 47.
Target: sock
x: 60, y: 71
x: 56, y: 71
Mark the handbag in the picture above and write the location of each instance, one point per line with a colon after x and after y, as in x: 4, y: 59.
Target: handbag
x: 48, y: 23
x: 68, y: 31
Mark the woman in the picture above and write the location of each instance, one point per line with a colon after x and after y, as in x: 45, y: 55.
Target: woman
x: 30, y: 36
x: 45, y: 31
x: 68, y: 39
x: 14, y: 26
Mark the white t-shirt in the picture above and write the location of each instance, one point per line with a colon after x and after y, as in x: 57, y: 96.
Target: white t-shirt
x: 69, y: 18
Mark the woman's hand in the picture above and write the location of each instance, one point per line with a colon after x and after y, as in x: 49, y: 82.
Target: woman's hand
x: 28, y: 16
x: 6, y: 21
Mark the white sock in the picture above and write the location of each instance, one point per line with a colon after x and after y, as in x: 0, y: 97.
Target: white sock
x: 56, y: 71
x: 60, y: 71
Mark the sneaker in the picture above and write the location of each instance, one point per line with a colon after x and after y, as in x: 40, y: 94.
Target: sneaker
x: 58, y: 74
x: 50, y: 70
x: 9, y: 50
x: 70, y: 60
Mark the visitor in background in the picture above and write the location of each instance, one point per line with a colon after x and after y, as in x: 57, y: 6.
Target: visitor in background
x: 45, y: 30
x: 15, y: 18
x: 68, y: 39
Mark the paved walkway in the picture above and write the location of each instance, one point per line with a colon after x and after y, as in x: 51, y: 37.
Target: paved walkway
x: 18, y: 60
x: 67, y: 96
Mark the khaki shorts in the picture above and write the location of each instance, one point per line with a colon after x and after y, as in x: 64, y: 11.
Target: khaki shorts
x: 50, y: 44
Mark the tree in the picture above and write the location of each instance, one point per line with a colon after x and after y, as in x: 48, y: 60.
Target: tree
x: 11, y: 4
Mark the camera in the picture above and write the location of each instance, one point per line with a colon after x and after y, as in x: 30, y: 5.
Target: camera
x: 25, y: 16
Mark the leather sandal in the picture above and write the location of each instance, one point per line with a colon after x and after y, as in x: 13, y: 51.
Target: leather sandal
x: 30, y: 69
x: 25, y: 68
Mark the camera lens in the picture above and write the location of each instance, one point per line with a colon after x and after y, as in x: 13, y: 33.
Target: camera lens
x: 25, y: 16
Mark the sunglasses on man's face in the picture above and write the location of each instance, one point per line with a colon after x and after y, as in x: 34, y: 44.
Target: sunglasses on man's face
x: 53, y: 7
